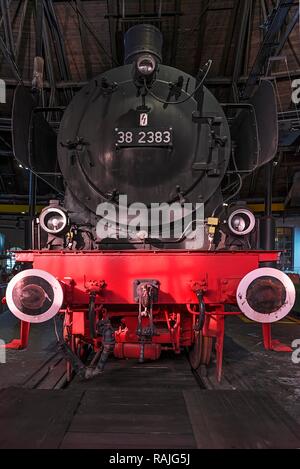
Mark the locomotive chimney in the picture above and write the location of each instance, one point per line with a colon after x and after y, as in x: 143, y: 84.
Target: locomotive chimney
x: 143, y: 40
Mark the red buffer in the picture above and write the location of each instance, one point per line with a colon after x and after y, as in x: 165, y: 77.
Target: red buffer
x: 143, y: 303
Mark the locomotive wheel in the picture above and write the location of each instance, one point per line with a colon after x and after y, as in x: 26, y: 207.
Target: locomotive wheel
x: 81, y: 349
x: 200, y: 353
x: 206, y: 350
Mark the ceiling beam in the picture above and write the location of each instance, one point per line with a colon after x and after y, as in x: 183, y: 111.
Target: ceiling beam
x: 84, y: 42
x: 276, y: 21
x: 5, y: 10
x: 229, y: 38
x: 245, y: 14
x: 294, y: 20
x: 202, y: 23
x: 177, y: 9
x: 58, y: 43
x: 7, y: 45
x: 21, y: 26
x: 81, y: 11
x: 112, y: 7
x: 210, y: 81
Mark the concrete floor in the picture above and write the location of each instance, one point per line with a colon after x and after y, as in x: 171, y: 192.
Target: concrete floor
x: 246, y: 364
x: 134, y: 404
x: 20, y: 364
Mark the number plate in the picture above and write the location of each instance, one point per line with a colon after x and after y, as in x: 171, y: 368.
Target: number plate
x: 143, y: 138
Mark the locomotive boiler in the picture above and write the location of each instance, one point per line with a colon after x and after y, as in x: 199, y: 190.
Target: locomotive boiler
x: 148, y: 135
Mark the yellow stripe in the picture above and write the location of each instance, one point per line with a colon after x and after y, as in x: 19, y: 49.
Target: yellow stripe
x: 288, y: 320
x: 259, y: 208
x: 283, y: 321
x: 245, y: 319
x: 16, y: 208
x: 294, y: 320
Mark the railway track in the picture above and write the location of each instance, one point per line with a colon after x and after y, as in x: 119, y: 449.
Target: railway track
x: 157, y: 405
x: 52, y: 374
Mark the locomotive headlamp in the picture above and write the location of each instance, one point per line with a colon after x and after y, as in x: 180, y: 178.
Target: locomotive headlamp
x: 266, y: 295
x: 34, y: 296
x: 146, y: 65
x: 241, y: 222
x: 53, y: 220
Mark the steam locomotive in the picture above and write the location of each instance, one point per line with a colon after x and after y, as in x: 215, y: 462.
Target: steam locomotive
x: 146, y: 134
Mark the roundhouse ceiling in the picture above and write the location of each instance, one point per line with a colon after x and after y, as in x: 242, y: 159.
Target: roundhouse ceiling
x: 82, y: 38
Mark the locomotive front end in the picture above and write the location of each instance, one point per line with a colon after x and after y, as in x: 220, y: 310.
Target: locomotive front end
x: 146, y: 138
